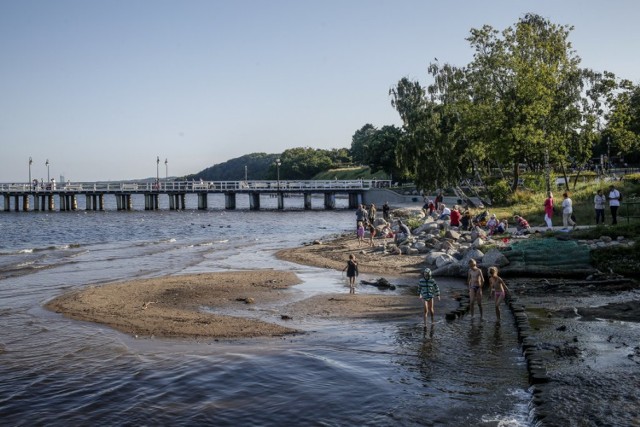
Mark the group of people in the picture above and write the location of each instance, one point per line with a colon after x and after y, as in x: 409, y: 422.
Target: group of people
x: 599, y: 201
x: 428, y: 290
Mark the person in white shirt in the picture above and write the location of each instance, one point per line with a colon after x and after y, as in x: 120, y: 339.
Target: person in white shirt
x: 567, y: 211
x: 614, y: 203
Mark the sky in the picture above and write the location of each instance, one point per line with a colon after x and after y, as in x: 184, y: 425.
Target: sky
x: 102, y: 89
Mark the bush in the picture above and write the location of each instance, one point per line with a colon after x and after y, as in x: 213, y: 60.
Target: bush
x: 500, y: 192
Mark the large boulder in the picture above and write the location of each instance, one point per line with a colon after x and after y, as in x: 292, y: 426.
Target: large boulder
x: 445, y: 259
x: 452, y: 269
x: 473, y: 253
x: 494, y: 258
x: 432, y: 256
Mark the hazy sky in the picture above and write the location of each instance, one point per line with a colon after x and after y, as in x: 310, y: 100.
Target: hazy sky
x: 101, y: 88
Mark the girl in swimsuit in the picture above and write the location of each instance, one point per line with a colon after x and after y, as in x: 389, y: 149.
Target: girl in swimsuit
x: 352, y: 272
x: 498, y: 288
x: 475, y: 280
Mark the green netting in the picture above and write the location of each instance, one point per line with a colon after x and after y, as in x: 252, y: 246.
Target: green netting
x: 547, y: 254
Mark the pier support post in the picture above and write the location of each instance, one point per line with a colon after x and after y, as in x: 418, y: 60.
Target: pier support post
x: 172, y: 202
x: 7, y: 203
x: 63, y: 202
x: 280, y: 197
x: 25, y: 203
x: 229, y: 200
x: 52, y: 202
x: 202, y: 201
x: 254, y: 201
x: 183, y: 201
x: 354, y: 201
x: 307, y: 201
x: 329, y: 201
x: 16, y: 203
x: 36, y: 202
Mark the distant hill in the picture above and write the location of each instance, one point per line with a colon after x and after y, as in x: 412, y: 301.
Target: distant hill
x: 257, y: 168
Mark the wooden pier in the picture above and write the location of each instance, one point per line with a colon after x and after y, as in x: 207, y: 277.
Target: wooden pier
x: 27, y: 197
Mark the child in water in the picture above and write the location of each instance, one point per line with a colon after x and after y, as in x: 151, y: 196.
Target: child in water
x: 498, y: 288
x: 427, y: 290
x: 475, y: 281
x: 352, y: 272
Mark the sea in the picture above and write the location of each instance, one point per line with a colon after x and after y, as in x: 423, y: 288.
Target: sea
x: 55, y: 371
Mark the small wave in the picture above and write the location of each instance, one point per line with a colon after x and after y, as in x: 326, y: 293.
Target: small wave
x: 25, y: 251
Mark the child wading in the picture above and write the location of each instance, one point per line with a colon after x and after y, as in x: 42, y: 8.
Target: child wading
x: 498, y: 288
x: 352, y: 272
x: 428, y: 289
x: 475, y: 280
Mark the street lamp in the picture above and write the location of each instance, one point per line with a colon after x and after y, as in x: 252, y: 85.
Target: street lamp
x: 47, y: 163
x: 166, y: 169
x: 278, y: 163
x: 245, y: 173
x: 30, y: 162
x: 158, y: 172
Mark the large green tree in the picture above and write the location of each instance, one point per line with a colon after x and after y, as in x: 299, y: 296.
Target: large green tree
x: 518, y: 101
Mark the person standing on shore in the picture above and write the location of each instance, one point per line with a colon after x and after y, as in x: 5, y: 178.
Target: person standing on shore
x: 567, y: 212
x: 360, y: 232
x: 427, y: 290
x: 498, y: 288
x: 372, y: 213
x: 475, y: 281
x: 548, y: 210
x: 352, y: 272
x: 385, y: 211
x: 599, y: 200
x: 361, y: 215
x: 614, y: 203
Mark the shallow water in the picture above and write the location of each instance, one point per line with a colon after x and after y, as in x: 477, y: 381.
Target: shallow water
x: 57, y: 371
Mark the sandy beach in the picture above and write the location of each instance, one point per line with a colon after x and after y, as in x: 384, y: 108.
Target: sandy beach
x: 259, y: 303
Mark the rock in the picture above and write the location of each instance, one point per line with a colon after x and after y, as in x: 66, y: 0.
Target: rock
x: 444, y: 259
x: 494, y: 257
x: 432, y: 256
x: 605, y: 239
x: 420, y: 247
x: 478, y: 243
x: 412, y: 251
x: 471, y: 254
x: 452, y: 234
x: 452, y: 269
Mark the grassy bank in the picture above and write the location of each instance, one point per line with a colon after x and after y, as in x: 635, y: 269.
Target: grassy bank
x: 529, y: 204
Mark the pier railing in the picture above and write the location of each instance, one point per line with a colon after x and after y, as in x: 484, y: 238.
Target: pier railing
x: 194, y: 186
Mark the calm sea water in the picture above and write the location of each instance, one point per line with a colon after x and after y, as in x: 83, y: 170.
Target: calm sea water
x: 56, y: 371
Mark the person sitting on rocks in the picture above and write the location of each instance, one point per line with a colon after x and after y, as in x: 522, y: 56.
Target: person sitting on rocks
x: 455, y: 217
x: 403, y: 232
x: 445, y: 213
x: 522, y: 226
x: 502, y: 227
x: 492, y: 224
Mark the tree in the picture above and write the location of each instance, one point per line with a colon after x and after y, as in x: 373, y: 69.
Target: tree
x: 302, y: 163
x: 360, y: 142
x: 526, y: 82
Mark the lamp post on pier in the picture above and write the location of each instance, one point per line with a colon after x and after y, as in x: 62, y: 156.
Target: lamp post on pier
x: 166, y: 169
x: 278, y: 163
x: 158, y: 172
x: 48, y: 177
x: 30, y: 162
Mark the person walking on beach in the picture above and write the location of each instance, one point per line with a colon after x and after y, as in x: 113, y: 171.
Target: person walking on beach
x: 372, y: 233
x: 614, y: 203
x: 548, y: 210
x: 599, y: 200
x: 475, y: 281
x: 427, y: 290
x: 498, y: 288
x: 352, y: 272
x: 567, y: 212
